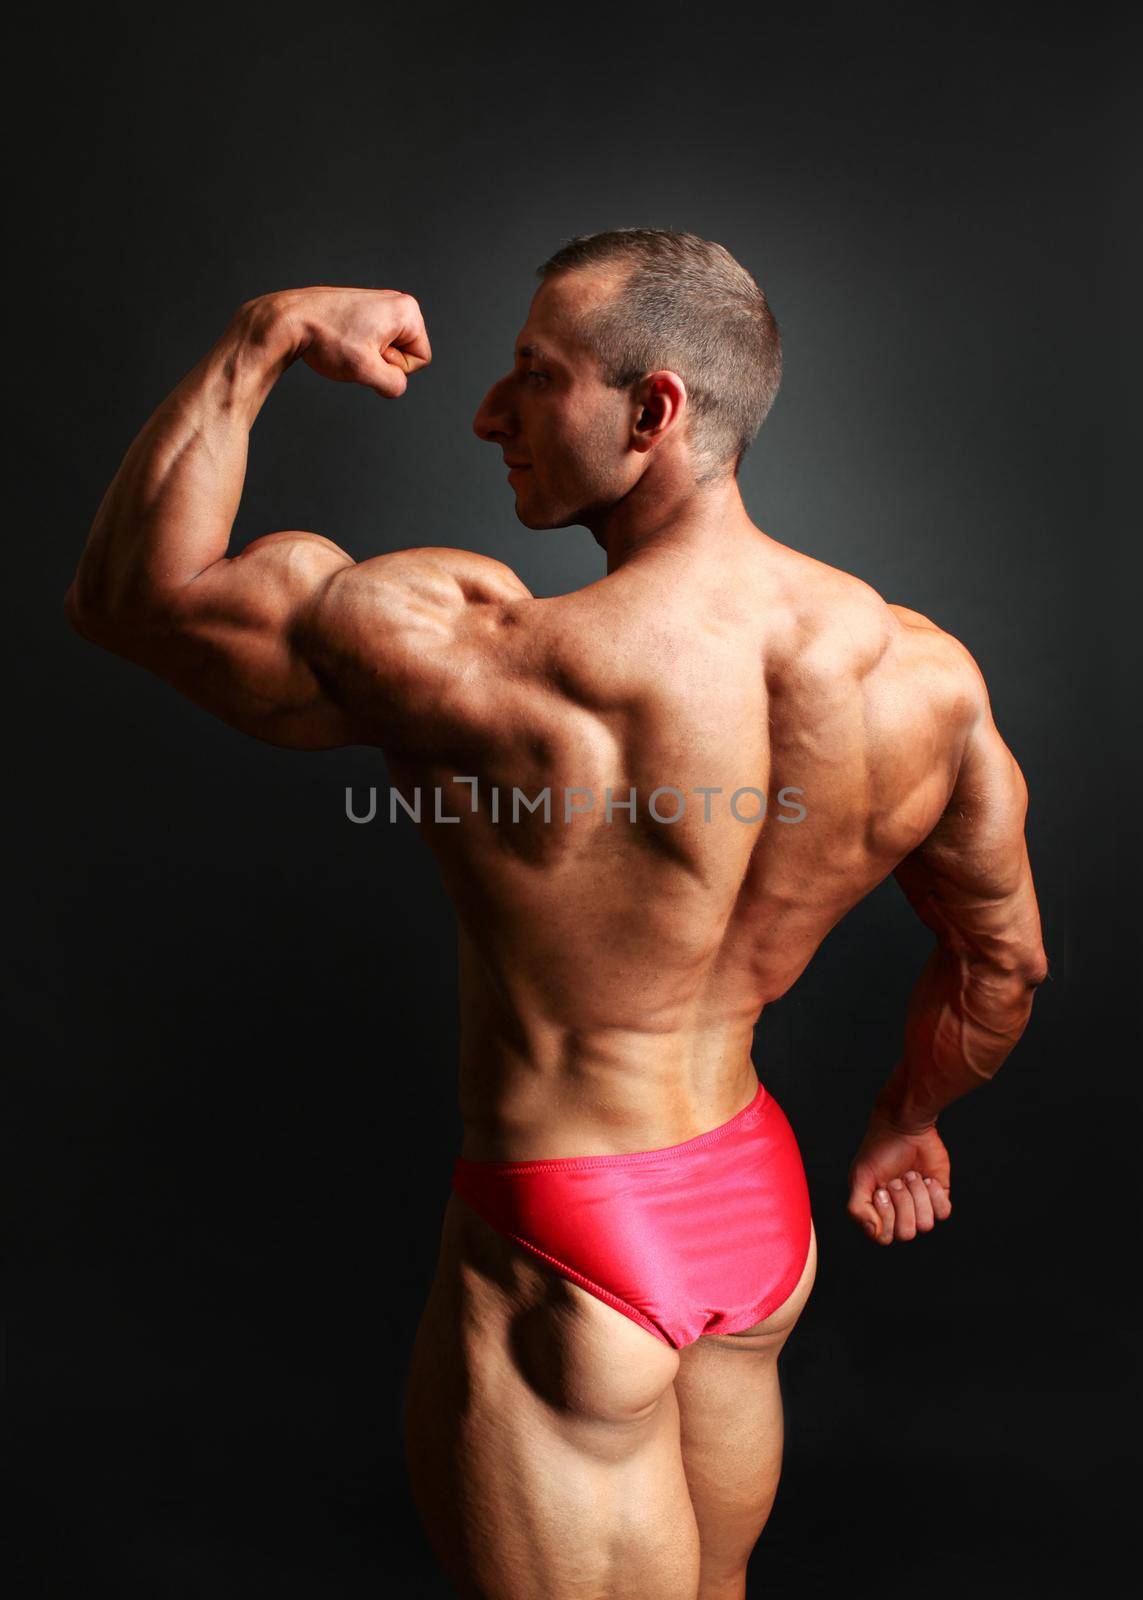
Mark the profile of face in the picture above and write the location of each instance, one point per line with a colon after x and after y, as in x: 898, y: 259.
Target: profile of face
x: 570, y: 440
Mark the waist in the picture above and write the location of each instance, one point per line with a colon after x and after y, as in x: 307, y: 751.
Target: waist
x: 600, y: 1104
x: 665, y: 1159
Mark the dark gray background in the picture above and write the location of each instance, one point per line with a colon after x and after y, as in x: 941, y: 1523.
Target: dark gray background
x: 232, y: 1012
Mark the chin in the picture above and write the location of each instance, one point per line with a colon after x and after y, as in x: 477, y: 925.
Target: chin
x: 538, y: 517
x: 533, y: 520
x: 532, y: 516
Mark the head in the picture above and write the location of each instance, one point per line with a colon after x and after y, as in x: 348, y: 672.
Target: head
x: 645, y: 351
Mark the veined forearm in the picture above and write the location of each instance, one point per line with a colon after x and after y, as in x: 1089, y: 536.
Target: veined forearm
x: 963, y: 1020
x: 171, y: 506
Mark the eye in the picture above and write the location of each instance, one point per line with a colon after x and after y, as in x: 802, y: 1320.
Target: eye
x: 533, y: 373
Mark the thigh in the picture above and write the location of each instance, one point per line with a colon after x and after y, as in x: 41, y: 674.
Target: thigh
x: 542, y: 1433
x: 731, y: 1431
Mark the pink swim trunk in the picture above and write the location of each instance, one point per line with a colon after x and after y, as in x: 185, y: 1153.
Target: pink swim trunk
x: 707, y: 1236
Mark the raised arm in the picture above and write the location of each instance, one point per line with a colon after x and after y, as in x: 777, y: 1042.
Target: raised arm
x: 291, y: 640
x: 971, y: 883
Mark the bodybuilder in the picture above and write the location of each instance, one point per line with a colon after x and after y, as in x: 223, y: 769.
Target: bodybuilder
x: 737, y: 743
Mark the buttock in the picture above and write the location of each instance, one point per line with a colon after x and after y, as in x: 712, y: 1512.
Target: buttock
x: 704, y: 1237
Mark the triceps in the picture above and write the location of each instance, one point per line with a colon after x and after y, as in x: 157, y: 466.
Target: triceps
x: 230, y: 640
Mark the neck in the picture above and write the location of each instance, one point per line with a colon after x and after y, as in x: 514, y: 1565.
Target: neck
x: 690, y: 518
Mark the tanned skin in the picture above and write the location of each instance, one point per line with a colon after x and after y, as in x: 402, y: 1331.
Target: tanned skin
x: 612, y: 972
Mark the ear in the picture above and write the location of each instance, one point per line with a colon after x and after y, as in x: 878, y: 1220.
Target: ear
x: 660, y: 402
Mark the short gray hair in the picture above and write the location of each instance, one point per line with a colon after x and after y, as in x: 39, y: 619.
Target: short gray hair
x: 684, y: 305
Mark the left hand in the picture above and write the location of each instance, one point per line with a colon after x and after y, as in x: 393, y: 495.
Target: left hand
x: 375, y: 337
x: 899, y: 1182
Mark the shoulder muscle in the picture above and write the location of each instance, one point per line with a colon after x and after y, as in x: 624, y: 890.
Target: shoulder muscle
x: 413, y: 634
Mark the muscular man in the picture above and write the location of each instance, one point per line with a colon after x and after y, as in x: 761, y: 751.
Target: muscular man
x: 736, y: 743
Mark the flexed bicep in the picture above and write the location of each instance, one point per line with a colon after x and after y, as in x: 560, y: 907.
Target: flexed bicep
x: 154, y: 582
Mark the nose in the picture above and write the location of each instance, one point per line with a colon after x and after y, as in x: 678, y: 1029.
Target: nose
x: 495, y: 420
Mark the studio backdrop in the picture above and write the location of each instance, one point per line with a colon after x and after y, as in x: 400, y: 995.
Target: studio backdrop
x: 231, y: 1028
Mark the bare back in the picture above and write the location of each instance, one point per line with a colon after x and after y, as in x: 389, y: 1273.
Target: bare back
x: 805, y: 735
x: 612, y: 966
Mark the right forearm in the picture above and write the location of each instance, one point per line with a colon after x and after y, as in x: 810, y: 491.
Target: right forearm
x: 168, y: 512
x: 963, y: 1020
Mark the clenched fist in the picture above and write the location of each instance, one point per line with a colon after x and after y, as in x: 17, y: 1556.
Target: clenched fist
x: 375, y: 337
x: 899, y: 1182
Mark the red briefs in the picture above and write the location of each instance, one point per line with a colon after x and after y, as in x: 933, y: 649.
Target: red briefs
x: 707, y: 1236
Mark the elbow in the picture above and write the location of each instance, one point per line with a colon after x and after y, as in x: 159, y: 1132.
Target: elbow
x: 75, y: 614
x: 1015, y: 959
x: 1011, y: 979
x: 113, y: 624
x: 1025, y: 974
x: 90, y: 621
x: 1035, y: 969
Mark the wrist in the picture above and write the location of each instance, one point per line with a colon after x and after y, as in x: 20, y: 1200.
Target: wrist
x: 910, y: 1126
x: 270, y: 329
x: 898, y: 1109
x: 261, y: 341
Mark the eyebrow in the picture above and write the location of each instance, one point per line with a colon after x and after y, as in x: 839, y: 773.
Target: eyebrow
x: 534, y: 352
